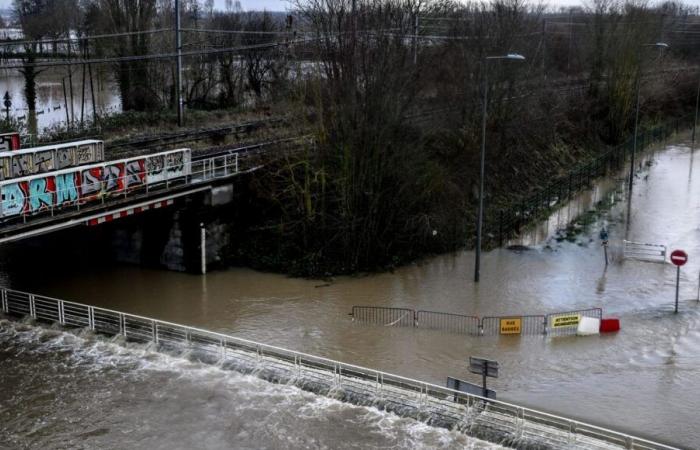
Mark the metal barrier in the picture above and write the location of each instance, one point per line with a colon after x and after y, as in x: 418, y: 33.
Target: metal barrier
x: 456, y: 323
x: 492, y: 420
x: 554, y: 324
x: 644, y: 252
x: 383, y: 315
x: 517, y: 325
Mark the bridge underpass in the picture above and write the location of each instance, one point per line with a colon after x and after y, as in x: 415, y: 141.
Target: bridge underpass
x: 199, y: 201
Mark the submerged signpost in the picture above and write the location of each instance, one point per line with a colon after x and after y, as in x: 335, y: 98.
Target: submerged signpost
x: 485, y: 368
x: 678, y: 258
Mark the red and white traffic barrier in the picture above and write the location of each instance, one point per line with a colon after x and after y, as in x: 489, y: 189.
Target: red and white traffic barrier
x: 129, y: 212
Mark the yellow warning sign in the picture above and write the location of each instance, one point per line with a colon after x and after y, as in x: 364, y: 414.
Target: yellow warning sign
x: 568, y: 320
x: 511, y: 325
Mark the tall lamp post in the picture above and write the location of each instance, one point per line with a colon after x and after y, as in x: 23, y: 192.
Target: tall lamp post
x: 479, y: 221
x: 660, y: 46
x: 697, y: 105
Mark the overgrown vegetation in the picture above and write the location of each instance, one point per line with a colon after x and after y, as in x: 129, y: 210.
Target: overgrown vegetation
x: 391, y: 91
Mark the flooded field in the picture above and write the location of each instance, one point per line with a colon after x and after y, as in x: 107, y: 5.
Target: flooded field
x: 56, y: 106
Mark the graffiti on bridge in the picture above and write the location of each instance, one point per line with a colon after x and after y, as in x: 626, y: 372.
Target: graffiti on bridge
x: 85, y: 184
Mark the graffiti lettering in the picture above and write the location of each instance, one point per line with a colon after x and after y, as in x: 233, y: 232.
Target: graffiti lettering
x: 135, y: 175
x: 63, y: 158
x: 41, y: 192
x: 90, y: 182
x: 66, y: 191
x: 83, y: 184
x: 12, y: 199
x: 43, y: 162
x: 84, y: 154
x: 114, y: 177
x: 21, y: 165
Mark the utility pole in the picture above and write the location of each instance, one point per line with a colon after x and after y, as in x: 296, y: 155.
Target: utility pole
x: 178, y: 70
x: 544, y: 49
x: 479, y: 219
x: 415, y: 40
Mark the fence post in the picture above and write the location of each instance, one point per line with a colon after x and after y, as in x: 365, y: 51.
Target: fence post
x: 32, y: 307
x: 91, y: 318
x: 4, y: 300
x: 544, y: 325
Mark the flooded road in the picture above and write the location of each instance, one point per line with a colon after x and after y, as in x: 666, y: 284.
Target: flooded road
x: 644, y: 380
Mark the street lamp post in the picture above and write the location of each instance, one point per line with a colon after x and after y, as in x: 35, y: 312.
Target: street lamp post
x: 697, y: 105
x: 659, y: 45
x: 479, y: 220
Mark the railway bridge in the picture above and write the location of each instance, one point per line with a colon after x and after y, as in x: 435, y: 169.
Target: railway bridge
x: 186, y: 188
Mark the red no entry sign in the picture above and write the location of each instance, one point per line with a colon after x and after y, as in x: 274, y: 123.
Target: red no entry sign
x: 679, y: 257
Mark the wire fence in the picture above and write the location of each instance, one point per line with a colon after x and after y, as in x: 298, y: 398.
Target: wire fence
x: 553, y: 324
x: 506, y: 223
x: 495, y: 421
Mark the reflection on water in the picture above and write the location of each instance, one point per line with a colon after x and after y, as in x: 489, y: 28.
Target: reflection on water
x: 637, y: 380
x: 53, y: 104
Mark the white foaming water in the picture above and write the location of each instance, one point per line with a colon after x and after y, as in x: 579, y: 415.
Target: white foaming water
x: 72, y: 388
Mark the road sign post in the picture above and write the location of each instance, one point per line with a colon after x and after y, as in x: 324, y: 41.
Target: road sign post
x: 485, y: 368
x: 678, y: 258
x: 604, y: 237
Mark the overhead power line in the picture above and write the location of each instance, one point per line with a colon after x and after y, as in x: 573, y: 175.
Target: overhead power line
x: 156, y: 56
x: 214, y: 31
x: 83, y: 38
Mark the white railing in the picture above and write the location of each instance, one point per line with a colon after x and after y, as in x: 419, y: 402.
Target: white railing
x: 644, y: 251
x: 488, y: 419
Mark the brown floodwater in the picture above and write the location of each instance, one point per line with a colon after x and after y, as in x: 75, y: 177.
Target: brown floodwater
x: 644, y: 379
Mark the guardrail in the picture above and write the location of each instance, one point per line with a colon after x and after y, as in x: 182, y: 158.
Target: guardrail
x: 492, y: 420
x: 552, y: 324
x: 643, y: 251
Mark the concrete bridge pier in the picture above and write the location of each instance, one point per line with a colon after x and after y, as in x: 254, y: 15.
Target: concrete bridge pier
x: 171, y: 238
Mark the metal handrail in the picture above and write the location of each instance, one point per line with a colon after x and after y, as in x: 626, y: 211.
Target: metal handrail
x: 342, y: 371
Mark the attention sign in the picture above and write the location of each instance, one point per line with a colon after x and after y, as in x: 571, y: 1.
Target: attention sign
x: 568, y: 320
x: 511, y: 325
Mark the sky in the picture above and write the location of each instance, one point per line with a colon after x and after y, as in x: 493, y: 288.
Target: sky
x: 270, y: 5
x: 282, y: 5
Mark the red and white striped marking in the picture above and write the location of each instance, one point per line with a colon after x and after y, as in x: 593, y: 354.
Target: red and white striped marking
x: 129, y: 212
